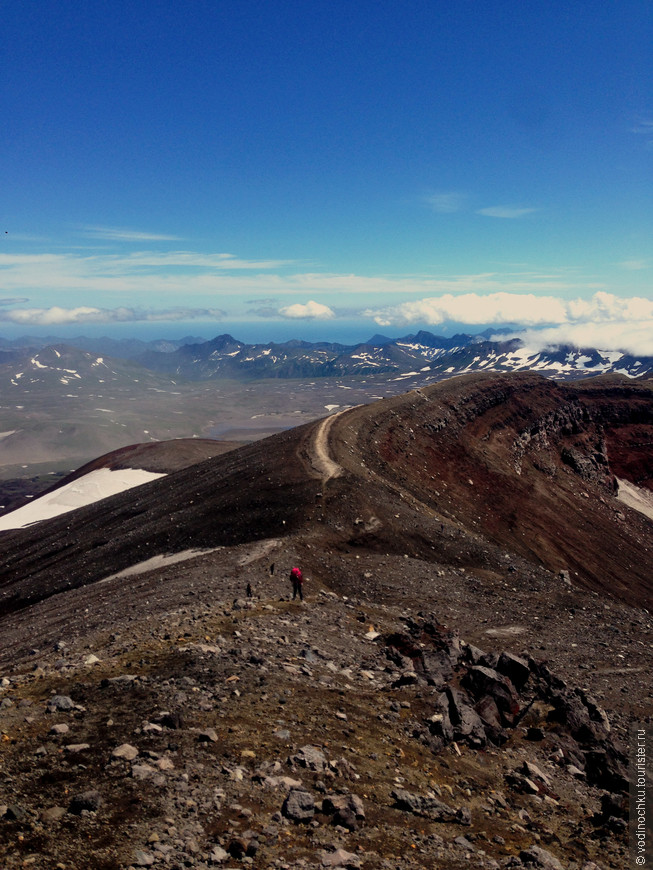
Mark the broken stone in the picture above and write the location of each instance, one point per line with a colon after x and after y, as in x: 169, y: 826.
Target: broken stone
x: 126, y: 751
x: 430, y: 808
x: 466, y: 722
x: 483, y: 681
x: 60, y: 703
x: 540, y: 858
x: 286, y: 782
x: 515, y: 668
x: 218, y: 855
x: 310, y: 757
x: 299, y: 806
x: 534, y: 772
x: 341, y: 858
x: 347, y: 810
x: 491, y: 718
x: 210, y: 735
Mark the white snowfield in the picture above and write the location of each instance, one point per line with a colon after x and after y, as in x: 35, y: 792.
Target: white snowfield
x: 93, y: 487
x: 636, y: 497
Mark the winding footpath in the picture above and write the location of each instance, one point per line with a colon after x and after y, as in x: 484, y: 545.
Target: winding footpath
x: 320, y: 458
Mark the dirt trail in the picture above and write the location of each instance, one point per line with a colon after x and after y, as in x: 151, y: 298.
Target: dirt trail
x: 320, y: 458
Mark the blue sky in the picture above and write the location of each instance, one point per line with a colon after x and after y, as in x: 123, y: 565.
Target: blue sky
x: 327, y: 168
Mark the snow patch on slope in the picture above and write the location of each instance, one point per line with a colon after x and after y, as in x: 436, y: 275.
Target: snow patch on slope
x: 93, y: 487
x: 636, y: 497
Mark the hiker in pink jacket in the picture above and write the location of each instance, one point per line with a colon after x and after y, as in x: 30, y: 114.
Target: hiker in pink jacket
x: 297, y: 584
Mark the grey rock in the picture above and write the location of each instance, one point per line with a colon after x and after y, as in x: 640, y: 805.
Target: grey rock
x: 311, y: 758
x: 515, y: 668
x: 218, y: 855
x: 286, y: 782
x: 466, y: 722
x: 464, y: 843
x: 487, y: 709
x: 334, y: 803
x: 126, y: 751
x: 341, y: 858
x: 540, y: 858
x: 534, y: 772
x: 485, y: 681
x: 147, y: 772
x: 430, y: 808
x: 143, y: 859
x: 439, y: 723
x: 347, y: 810
x: 60, y: 703
x: 299, y: 806
x: 209, y: 735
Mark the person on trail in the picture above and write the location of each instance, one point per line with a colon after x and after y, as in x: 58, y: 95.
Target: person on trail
x: 297, y: 584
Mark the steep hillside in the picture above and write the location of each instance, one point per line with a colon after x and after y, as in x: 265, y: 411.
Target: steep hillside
x: 513, y: 463
x: 457, y: 689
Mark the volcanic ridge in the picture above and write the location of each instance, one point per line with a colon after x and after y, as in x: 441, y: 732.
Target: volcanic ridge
x: 456, y: 690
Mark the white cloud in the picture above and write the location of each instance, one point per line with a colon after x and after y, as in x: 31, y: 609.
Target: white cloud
x: 629, y: 336
x: 446, y: 203
x: 506, y: 211
x: 634, y: 265
x: 120, y: 234
x: 605, y: 321
x: 527, y: 309
x: 474, y: 308
x: 177, y: 274
x: 310, y: 311
x: 88, y: 314
x: 193, y: 260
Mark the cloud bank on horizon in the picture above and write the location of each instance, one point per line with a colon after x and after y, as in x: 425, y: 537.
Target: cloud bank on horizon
x: 604, y: 321
x: 544, y: 308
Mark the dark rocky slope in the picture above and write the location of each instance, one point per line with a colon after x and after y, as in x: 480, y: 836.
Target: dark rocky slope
x: 456, y: 691
x: 464, y: 470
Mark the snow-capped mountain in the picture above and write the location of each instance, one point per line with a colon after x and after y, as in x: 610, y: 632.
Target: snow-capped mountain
x: 67, y: 370
x: 422, y: 354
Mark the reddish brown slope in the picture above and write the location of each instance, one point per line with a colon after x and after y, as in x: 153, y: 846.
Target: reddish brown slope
x: 527, y: 463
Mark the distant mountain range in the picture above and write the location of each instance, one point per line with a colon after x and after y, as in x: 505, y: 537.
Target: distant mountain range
x: 123, y: 348
x: 432, y: 356
x: 424, y: 356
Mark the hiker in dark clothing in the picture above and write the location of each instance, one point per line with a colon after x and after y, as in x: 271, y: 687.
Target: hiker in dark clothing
x: 297, y: 584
